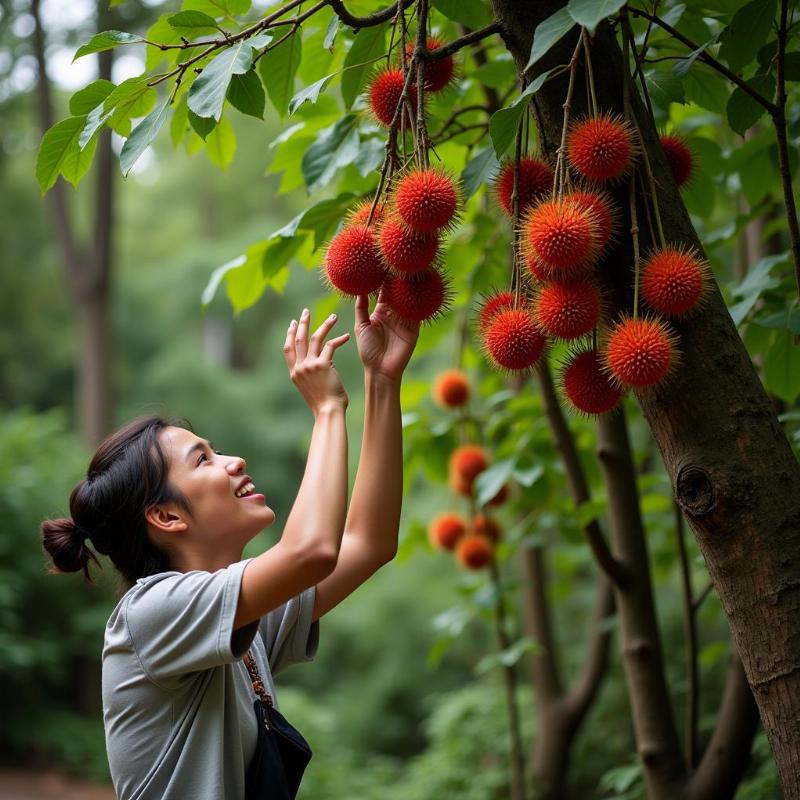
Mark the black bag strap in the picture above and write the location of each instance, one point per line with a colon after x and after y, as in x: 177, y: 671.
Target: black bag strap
x: 255, y: 679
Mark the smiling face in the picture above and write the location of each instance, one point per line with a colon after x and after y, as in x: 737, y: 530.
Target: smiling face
x: 226, y: 508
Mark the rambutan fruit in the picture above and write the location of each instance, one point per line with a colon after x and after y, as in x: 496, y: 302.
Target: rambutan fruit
x: 560, y: 235
x: 535, y: 182
x: 466, y: 463
x: 674, y: 281
x: 473, y: 551
x: 536, y: 268
x: 359, y: 214
x: 601, y: 148
x: 417, y: 297
x: 451, y: 388
x: 427, y: 199
x: 353, y: 263
x: 568, y: 309
x: 599, y: 204
x: 446, y: 529
x: 405, y: 249
x: 640, y: 352
x: 500, y: 497
x: 491, y: 305
x: 440, y: 71
x: 586, y: 384
x: 488, y: 527
x: 385, y: 91
x: 514, y: 341
x: 679, y: 157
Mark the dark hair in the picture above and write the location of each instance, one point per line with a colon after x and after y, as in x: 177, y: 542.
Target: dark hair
x: 126, y: 476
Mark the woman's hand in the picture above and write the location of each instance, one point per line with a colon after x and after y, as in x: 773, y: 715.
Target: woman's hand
x: 385, y: 343
x: 311, y: 363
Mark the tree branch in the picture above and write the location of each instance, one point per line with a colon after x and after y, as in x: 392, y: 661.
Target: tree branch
x: 371, y: 19
x: 458, y: 44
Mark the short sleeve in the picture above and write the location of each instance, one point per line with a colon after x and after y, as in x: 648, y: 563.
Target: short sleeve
x: 183, y: 622
x: 288, y: 632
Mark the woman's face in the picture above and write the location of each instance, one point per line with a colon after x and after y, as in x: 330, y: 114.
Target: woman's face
x: 225, y: 504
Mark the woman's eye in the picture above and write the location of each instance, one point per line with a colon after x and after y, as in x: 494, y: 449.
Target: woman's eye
x: 200, y: 459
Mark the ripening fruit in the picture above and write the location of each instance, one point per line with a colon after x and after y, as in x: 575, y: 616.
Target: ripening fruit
x: 446, y: 529
x: 568, y: 309
x: 535, y: 182
x: 385, y: 92
x: 426, y: 199
x: 513, y: 340
x: 601, y: 148
x: 451, y: 388
x: 586, y: 384
x: 360, y: 213
x: 674, y: 281
x: 600, y: 206
x: 488, y: 527
x: 474, y: 551
x: 640, y: 352
x: 494, y: 303
x: 560, y: 235
x: 500, y: 497
x: 353, y: 262
x: 679, y: 158
x: 405, y: 249
x: 416, y: 297
x: 535, y: 267
x: 466, y: 463
x: 440, y: 71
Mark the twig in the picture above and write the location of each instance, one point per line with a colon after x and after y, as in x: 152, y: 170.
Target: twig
x: 561, y: 161
x: 420, y: 50
x: 698, y: 601
x: 589, y: 71
x: 368, y: 21
x: 516, y: 278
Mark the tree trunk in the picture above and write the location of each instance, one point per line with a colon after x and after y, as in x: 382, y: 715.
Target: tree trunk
x: 732, y: 470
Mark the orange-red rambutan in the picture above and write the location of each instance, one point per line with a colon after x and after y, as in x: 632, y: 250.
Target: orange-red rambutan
x: 491, y: 305
x: 406, y: 249
x: 359, y: 213
x: 440, y: 71
x: 446, y: 529
x: 385, y: 92
x: 473, y: 551
x: 679, y: 157
x: 568, y: 309
x: 514, y: 341
x: 427, y: 199
x: 451, y: 388
x: 640, y: 352
x: 535, y: 182
x: 561, y: 235
x: 417, y: 297
x: 466, y: 463
x: 674, y: 281
x: 488, y: 527
x: 601, y: 148
x: 587, y: 386
x: 599, y: 204
x: 353, y: 262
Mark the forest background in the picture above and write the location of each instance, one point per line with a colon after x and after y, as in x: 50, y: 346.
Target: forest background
x: 406, y: 696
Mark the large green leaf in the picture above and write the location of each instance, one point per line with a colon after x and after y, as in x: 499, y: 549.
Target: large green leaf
x: 195, y: 22
x: 748, y: 31
x: 131, y: 99
x: 310, y: 94
x: 782, y: 366
x: 321, y: 219
x: 335, y: 147
x: 246, y: 94
x: 141, y: 136
x: 59, y: 153
x: 706, y: 88
x: 479, y: 170
x: 503, y: 124
x: 107, y: 40
x: 84, y: 100
x: 278, y: 68
x: 217, y: 8
x: 202, y: 126
x: 548, y: 32
x: 472, y: 13
x: 221, y: 144
x: 368, y: 46
x: 759, y: 279
x: 590, y: 13
x: 664, y: 87
x: 742, y: 110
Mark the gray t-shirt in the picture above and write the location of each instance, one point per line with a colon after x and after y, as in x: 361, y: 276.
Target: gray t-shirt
x: 177, y: 697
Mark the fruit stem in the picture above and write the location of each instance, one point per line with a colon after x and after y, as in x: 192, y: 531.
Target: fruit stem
x: 626, y: 102
x: 420, y: 51
x: 589, y: 70
x: 516, y: 278
x: 561, y: 176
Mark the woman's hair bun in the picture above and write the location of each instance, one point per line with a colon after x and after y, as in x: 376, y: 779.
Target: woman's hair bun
x: 66, y: 544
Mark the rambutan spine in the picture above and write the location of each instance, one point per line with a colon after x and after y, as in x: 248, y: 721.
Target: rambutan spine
x: 674, y: 280
x: 640, y: 353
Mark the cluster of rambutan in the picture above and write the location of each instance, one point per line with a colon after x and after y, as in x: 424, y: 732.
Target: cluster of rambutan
x: 399, y: 250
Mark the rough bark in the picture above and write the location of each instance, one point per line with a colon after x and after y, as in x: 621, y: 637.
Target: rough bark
x: 731, y: 467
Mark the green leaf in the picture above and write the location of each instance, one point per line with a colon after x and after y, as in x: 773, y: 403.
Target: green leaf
x: 788, y: 319
x: 743, y: 111
x: 706, y: 88
x: 330, y: 34
x: 548, y: 32
x: 321, y: 219
x: 133, y: 98
x: 497, y: 73
x: 472, y: 13
x: 59, y: 153
x: 216, y: 279
x: 492, y: 480
x: 759, y: 279
x: 503, y: 123
x: 141, y: 136
x: 179, y: 121
x: 748, y: 31
x: 278, y: 68
x: 278, y: 253
x: 202, y: 126
x: 194, y: 21
x: 310, y: 94
x: 221, y: 144
x: 590, y: 13
x: 217, y: 8
x: 479, y: 170
x: 107, y: 40
x: 791, y: 69
x: 335, y: 147
x: 246, y: 94
x: 368, y: 46
x: 84, y: 100
x: 664, y: 87
x: 700, y: 193
x: 370, y: 156
x: 685, y: 64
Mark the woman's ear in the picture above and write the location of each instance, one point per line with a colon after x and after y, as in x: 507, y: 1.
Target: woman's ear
x: 165, y: 519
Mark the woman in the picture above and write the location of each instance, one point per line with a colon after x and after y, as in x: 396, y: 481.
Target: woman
x: 173, y: 516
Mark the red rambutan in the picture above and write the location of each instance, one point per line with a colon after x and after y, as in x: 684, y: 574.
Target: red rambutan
x: 536, y: 268
x: 601, y: 148
x: 535, y: 182
x: 513, y: 340
x: 353, y: 262
x: 640, y: 352
x: 488, y: 527
x: 426, y: 199
x: 359, y: 214
x: 416, y: 297
x: 405, y: 249
x: 385, y: 92
x: 679, y: 157
x: 440, y: 71
x: 674, y: 281
x: 492, y: 304
x: 451, y: 388
x: 446, y: 529
x: 602, y: 209
x: 473, y: 551
x: 587, y: 385
x: 568, y: 309
x: 561, y: 235
x: 466, y: 463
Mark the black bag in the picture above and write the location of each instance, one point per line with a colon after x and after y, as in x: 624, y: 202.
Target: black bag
x: 281, y: 755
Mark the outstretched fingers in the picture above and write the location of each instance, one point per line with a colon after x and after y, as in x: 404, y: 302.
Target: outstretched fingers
x: 362, y: 311
x: 315, y: 343
x: 331, y: 345
x: 289, y: 352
